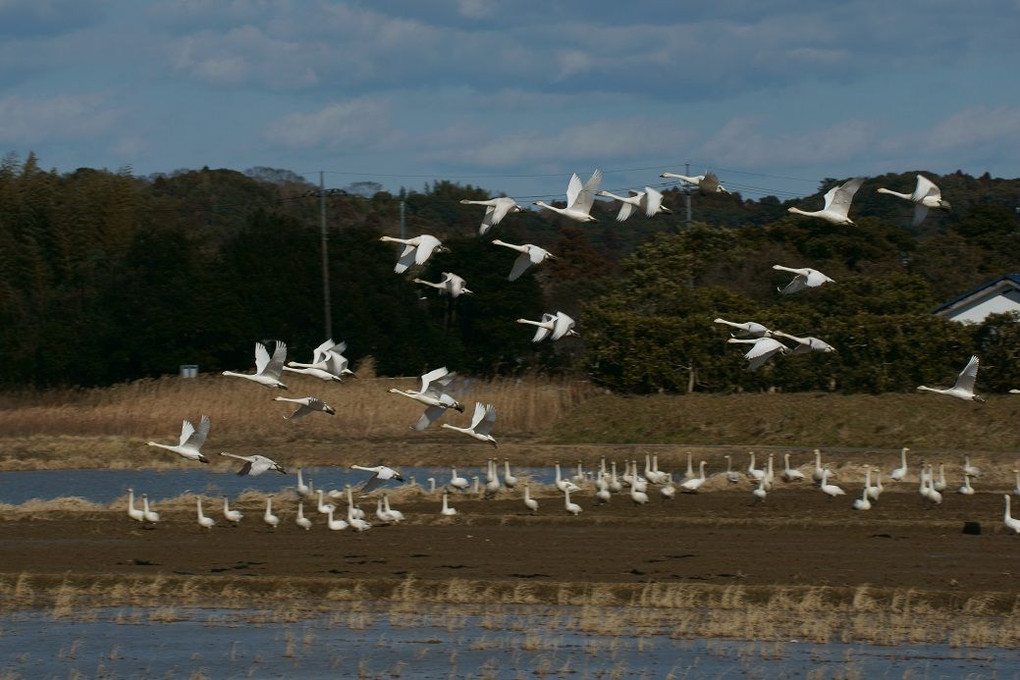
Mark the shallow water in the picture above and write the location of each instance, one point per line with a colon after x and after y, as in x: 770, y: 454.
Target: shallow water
x: 104, y: 486
x: 441, y: 643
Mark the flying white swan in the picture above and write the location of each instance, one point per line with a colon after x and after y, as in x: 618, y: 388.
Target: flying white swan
x: 149, y: 514
x: 579, y: 198
x: 267, y: 370
x: 191, y: 441
x: 328, y: 363
x: 255, y: 465
x: 380, y: 474
x: 747, y: 329
x: 648, y: 201
x: 234, y: 516
x: 762, y: 349
x: 417, y: 250
x: 495, y: 210
x: 964, y: 386
x: 926, y: 196
x: 1008, y: 520
x: 530, y: 254
x: 805, y: 278
x: 306, y: 405
x: 319, y: 373
x: 552, y: 326
x: 804, y: 345
x: 1014, y: 391
x: 268, y: 517
x: 133, y: 512
x: 837, y: 203
x: 706, y: 184
x: 451, y: 285
x: 447, y: 509
x: 432, y: 395
x: 692, y: 485
x: 900, y: 473
x: 481, y: 424
x: 203, y: 520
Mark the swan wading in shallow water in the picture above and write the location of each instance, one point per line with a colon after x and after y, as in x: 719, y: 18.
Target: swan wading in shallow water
x: 267, y: 369
x: 579, y: 198
x: 964, y: 386
x: 926, y: 196
x: 495, y: 210
x: 417, y: 250
x: 191, y: 441
x: 837, y: 203
x: 255, y: 465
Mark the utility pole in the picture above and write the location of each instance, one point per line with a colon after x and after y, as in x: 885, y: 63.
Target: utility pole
x: 327, y: 313
x: 403, y: 222
x: 687, y: 193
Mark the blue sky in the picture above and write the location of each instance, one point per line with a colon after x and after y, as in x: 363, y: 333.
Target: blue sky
x: 514, y: 96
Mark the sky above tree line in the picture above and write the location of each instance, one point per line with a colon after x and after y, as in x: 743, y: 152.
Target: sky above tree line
x: 514, y: 96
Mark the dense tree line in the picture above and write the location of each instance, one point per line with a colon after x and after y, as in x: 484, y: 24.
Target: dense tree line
x: 106, y: 277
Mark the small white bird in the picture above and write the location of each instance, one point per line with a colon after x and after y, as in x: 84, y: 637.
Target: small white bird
x: 762, y: 349
x: 255, y: 465
x: 451, y: 285
x: 571, y: 507
x: 495, y: 210
x: 706, y: 184
x: 747, y: 329
x: 552, y: 326
x: 431, y: 394
x: 837, y: 203
x: 579, y: 198
x: 269, y: 518
x: 301, y: 520
x: 447, y: 509
x: 964, y: 386
x: 203, y: 520
x: 805, y: 278
x: 806, y: 344
x: 306, y: 405
x: 530, y: 254
x: 267, y: 370
x: 234, y: 516
x: 380, y: 474
x: 191, y: 441
x: 481, y: 424
x: 926, y: 196
x: 417, y: 250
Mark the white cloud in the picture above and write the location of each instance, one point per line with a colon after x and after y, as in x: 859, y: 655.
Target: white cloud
x: 360, y: 123
x: 64, y: 117
x: 476, y: 9
x: 741, y: 142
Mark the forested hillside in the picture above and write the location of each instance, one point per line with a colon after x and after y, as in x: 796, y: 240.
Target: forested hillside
x: 106, y: 277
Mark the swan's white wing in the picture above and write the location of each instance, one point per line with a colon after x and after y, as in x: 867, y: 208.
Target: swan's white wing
x: 275, y: 366
x: 815, y: 278
x: 488, y: 220
x: 503, y: 206
x: 406, y: 259
x: 924, y: 188
x: 537, y: 255
x: 258, y: 465
x: 427, y: 246
x: 484, y: 425
x: 573, y: 189
x: 429, y: 416
x: 433, y: 375
x: 652, y: 201
x: 479, y: 414
x: 261, y: 357
x: 798, y: 284
x: 838, y: 199
x: 626, y: 210
x: 708, y: 183
x: 320, y: 353
x: 562, y: 325
x: 586, y: 197
x: 198, y: 438
x: 521, y: 265
x: 968, y: 376
x: 764, y: 347
x: 187, y: 430
x: 542, y: 331
x: 300, y: 413
x: 920, y: 212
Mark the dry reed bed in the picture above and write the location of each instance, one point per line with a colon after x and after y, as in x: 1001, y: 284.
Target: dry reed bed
x: 810, y: 613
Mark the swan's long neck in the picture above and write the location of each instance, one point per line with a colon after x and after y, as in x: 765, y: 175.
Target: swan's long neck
x: 897, y: 194
x: 798, y: 211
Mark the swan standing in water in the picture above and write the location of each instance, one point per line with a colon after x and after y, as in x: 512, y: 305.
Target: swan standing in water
x: 191, y: 441
x: 805, y: 278
x: 447, y: 510
x: 579, y: 198
x: 451, y: 285
x: 964, y: 386
x: 530, y: 254
x: 553, y: 326
x: 431, y: 394
x: 203, y: 520
x: 762, y: 349
x: 481, y: 424
x: 706, y: 184
x: 1008, y: 520
x: 837, y: 203
x: 925, y: 196
x: 495, y: 210
x: 900, y: 473
x: 746, y: 329
x: 133, y: 512
x: 301, y: 520
x: 306, y: 405
x: 417, y: 250
x: 234, y: 516
x: 380, y: 474
x: 255, y: 465
x: 269, y: 518
x: 267, y: 370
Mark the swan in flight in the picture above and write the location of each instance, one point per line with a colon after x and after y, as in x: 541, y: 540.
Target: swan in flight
x: 747, y: 329
x: 417, y: 250
x: 530, y: 254
x: 837, y: 203
x: 328, y: 363
x: 579, y: 198
x: 964, y: 386
x: 191, y: 441
x: 451, y: 285
x: 762, y: 349
x: 495, y: 210
x: 133, y: 512
x: 268, y: 517
x: 234, y: 516
x: 267, y: 370
x: 552, y: 326
x: 648, y: 201
x: 255, y: 465
x: 804, y: 345
x: 432, y: 395
x: 306, y: 405
x: 481, y: 424
x: 203, y: 520
x: 707, y: 183
x: 805, y: 278
x: 926, y: 196
x: 380, y: 474
x: 1008, y: 520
